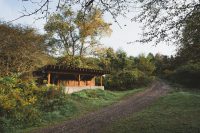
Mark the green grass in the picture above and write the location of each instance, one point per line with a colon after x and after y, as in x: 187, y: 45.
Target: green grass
x: 79, y: 104
x: 178, y: 112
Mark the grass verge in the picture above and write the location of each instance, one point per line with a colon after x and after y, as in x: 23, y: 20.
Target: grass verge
x: 79, y: 104
x: 177, y: 112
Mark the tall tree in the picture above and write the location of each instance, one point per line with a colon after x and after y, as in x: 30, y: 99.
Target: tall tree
x: 145, y: 65
x: 22, y: 49
x: 76, y: 33
x: 190, y: 48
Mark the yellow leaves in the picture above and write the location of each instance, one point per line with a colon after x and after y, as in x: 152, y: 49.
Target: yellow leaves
x: 17, y: 98
x: 24, y: 98
x: 32, y: 100
x: 6, y: 102
x: 75, y: 32
x: 93, y: 25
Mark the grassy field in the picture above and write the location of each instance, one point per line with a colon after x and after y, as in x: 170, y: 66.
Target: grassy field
x: 81, y: 103
x: 178, y: 112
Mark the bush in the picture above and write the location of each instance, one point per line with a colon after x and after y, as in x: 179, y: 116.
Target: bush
x: 128, y: 79
x: 22, y: 103
x: 188, y: 75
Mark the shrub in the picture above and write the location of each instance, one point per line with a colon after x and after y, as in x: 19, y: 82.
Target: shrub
x: 127, y: 79
x: 22, y: 103
x: 188, y: 74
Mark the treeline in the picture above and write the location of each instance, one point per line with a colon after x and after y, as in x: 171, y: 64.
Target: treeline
x: 24, y: 50
x: 184, y: 68
x: 127, y: 72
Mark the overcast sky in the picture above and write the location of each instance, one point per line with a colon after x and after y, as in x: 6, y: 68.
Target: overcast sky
x: 10, y: 9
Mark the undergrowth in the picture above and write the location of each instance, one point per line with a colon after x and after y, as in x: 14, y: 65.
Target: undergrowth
x: 25, y: 106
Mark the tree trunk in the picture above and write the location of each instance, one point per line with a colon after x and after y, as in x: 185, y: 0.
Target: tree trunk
x: 73, y: 50
x: 81, y: 49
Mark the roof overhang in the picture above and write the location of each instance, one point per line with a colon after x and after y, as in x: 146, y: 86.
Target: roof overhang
x: 68, y: 69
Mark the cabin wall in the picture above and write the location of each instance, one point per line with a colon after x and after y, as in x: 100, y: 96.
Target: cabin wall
x: 72, y: 83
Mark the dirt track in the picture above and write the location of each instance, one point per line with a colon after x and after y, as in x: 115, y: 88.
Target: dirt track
x: 94, y: 122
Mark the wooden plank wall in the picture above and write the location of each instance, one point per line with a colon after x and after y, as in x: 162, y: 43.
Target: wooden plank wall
x: 75, y: 83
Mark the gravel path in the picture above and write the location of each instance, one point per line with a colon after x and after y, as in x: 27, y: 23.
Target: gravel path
x: 94, y: 122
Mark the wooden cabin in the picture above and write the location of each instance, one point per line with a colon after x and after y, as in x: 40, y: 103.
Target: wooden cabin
x: 71, y: 78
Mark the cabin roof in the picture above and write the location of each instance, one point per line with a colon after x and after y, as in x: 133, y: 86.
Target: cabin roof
x: 68, y: 69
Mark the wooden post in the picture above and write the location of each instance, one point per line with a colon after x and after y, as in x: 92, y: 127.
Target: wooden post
x: 58, y: 84
x: 93, y: 81
x: 101, y: 81
x: 49, y: 78
x: 58, y: 81
x: 79, y: 79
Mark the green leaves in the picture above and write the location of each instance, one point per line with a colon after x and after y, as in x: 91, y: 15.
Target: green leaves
x: 127, y: 72
x: 75, y: 32
x: 22, y: 50
x: 188, y: 74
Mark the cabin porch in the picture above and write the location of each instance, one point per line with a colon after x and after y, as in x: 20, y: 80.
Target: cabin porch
x: 75, y: 82
x: 71, y: 78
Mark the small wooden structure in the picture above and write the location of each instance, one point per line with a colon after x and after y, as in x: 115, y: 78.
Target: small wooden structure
x: 73, y: 79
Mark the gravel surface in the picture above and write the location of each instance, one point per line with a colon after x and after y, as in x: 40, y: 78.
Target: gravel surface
x: 95, y: 121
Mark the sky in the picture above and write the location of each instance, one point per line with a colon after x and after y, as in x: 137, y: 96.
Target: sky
x: 10, y: 9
